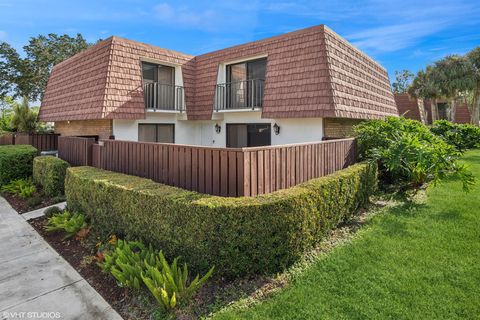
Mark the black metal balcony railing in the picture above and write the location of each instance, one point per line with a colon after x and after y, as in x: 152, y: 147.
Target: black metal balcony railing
x: 246, y: 94
x: 160, y: 96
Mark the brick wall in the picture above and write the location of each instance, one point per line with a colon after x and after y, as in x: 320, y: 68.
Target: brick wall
x: 101, y: 128
x: 339, y: 127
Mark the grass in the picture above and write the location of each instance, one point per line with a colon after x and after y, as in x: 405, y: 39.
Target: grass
x: 414, y: 261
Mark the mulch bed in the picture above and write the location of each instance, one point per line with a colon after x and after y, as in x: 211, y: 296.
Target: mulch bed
x: 21, y: 205
x: 131, y: 304
x: 80, y: 255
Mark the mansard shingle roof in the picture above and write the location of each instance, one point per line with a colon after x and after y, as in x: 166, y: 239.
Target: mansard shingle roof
x: 310, y: 73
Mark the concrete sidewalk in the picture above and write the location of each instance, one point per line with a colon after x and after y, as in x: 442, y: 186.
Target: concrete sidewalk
x: 34, y: 278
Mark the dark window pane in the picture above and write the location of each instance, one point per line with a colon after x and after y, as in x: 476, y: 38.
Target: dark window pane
x: 147, y: 133
x: 259, y: 135
x: 150, y: 72
x: 237, y: 136
x: 166, y: 75
x: 165, y: 133
x: 256, y: 69
x: 248, y: 135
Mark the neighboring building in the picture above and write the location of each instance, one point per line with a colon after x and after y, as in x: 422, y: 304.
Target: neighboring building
x: 302, y: 86
x: 410, y: 107
x: 421, y: 110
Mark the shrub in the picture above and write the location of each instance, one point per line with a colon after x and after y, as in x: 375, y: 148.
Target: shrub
x: 16, y: 162
x: 51, y: 211
x: 49, y: 172
x: 408, y: 152
x: 462, y: 136
x: 238, y: 236
x: 34, y: 201
x: 67, y: 222
x: 20, y: 187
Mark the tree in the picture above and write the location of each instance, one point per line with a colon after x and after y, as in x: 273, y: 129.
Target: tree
x: 402, y: 81
x: 474, y: 57
x: 24, y: 119
x: 27, y: 77
x: 6, y: 113
x: 452, y: 75
x: 424, y: 87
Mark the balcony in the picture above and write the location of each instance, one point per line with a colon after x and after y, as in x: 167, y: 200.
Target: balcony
x: 238, y: 95
x: 164, y: 97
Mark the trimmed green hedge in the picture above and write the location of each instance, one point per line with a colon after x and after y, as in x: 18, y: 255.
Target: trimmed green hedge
x: 16, y: 162
x: 238, y: 236
x: 49, y: 172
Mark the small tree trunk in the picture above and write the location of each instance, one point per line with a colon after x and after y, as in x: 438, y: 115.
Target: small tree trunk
x: 475, y: 112
x: 434, y: 109
x: 453, y: 110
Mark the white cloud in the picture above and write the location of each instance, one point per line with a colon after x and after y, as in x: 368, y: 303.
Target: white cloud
x: 3, y: 35
x: 394, y: 37
x: 219, y: 18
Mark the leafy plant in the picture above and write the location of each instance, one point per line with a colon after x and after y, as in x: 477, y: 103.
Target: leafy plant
x: 70, y: 223
x: 407, y: 151
x: 462, y: 136
x: 127, y: 261
x: 20, y: 187
x: 169, y: 283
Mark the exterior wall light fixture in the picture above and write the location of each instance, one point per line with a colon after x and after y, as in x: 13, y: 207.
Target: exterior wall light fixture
x: 276, y: 129
x: 218, y: 128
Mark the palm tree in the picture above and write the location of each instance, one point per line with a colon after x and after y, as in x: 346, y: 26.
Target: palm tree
x: 474, y: 58
x: 24, y: 119
x: 452, y: 75
x: 423, y: 87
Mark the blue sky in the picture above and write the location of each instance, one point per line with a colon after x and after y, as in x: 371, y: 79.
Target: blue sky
x: 398, y: 34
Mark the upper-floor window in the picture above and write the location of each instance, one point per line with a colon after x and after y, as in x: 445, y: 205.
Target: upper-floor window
x: 245, y: 82
x: 248, y: 70
x: 160, y: 89
x: 158, y: 73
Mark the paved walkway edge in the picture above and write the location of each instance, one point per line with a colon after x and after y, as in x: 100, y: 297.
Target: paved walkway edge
x: 35, y: 278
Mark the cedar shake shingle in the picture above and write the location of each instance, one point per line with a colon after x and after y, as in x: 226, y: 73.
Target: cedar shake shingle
x: 310, y: 73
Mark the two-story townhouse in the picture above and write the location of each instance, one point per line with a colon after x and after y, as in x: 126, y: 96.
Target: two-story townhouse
x: 302, y: 86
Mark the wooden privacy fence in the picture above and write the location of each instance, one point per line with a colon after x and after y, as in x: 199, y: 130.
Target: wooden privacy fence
x: 42, y: 142
x: 218, y: 171
x: 7, y: 139
x: 75, y: 150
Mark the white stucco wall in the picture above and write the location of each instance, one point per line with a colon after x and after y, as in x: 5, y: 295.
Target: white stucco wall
x: 203, y: 132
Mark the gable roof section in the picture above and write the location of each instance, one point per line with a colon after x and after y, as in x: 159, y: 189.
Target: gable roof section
x: 311, y: 72
x: 76, y: 87
x: 105, y: 81
x: 360, y: 85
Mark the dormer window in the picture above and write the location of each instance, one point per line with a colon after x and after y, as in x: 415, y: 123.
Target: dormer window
x: 244, y: 86
x: 160, y: 90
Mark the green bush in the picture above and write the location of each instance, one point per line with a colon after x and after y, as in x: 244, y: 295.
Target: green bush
x: 238, y: 236
x: 462, y: 136
x: 408, y: 152
x: 49, y: 172
x: 21, y: 187
x: 16, y: 162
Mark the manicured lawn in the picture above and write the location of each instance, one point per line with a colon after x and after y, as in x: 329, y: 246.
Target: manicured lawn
x: 413, y: 262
